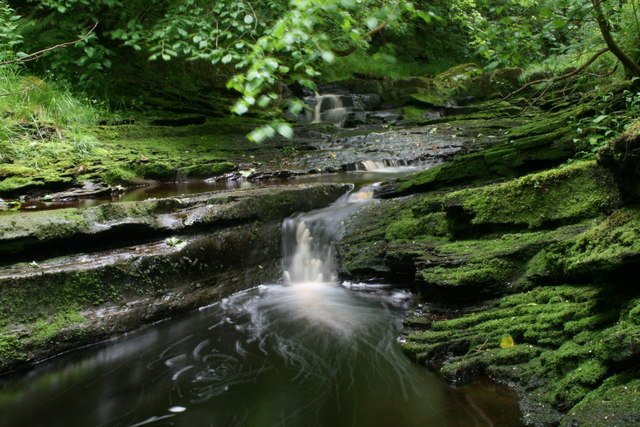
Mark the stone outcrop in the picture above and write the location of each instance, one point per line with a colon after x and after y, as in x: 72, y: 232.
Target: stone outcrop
x: 622, y: 157
x: 528, y: 281
x: 128, y: 264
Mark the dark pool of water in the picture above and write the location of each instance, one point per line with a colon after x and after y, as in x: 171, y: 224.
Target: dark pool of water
x: 300, y: 355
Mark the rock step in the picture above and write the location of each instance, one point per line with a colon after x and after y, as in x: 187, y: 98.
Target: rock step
x: 37, y: 235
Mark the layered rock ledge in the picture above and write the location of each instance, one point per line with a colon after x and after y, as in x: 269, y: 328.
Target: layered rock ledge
x: 524, y: 278
x: 181, y: 253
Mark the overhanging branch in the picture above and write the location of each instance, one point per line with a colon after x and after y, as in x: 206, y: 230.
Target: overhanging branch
x: 36, y: 55
x: 365, y: 36
x: 555, y: 79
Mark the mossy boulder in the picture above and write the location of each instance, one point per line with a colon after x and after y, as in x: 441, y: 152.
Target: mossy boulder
x: 478, y: 241
x: 609, y: 249
x: 554, y: 197
x: 551, y: 343
x: 622, y: 157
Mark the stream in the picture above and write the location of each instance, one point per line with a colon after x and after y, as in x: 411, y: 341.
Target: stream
x: 307, y: 351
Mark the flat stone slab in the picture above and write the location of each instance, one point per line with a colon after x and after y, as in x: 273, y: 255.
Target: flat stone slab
x: 33, y: 235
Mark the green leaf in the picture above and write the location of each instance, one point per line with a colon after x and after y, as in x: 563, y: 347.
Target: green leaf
x: 257, y: 135
x: 507, y: 342
x: 285, y: 130
x: 328, y: 56
x: 240, y: 108
x: 296, y: 107
x: 248, y: 19
x: 264, y: 101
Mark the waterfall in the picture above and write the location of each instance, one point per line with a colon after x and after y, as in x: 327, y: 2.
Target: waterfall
x: 384, y: 166
x: 328, y: 109
x: 308, y: 240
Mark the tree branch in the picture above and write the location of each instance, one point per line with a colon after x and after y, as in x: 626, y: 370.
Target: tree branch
x: 555, y: 79
x: 366, y: 35
x: 605, y: 30
x: 36, y: 55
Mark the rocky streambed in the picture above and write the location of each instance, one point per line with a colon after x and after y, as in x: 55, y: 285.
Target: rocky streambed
x: 526, y: 278
x: 71, y: 277
x: 524, y: 264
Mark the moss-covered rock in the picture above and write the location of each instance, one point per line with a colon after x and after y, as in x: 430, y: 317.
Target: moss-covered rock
x: 220, y: 243
x: 557, y: 196
x: 622, y: 157
x: 551, y: 343
x: 61, y: 304
x: 615, y: 402
x: 34, y: 235
x: 478, y: 241
x: 608, y: 249
x: 544, y: 143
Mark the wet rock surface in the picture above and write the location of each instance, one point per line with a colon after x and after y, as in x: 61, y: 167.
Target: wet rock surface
x: 525, y: 278
x: 31, y: 236
x: 124, y: 265
x: 116, y: 291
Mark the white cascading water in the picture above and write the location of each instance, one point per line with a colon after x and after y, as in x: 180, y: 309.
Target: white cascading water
x: 329, y: 109
x: 308, y: 240
x: 383, y: 165
x: 310, y: 269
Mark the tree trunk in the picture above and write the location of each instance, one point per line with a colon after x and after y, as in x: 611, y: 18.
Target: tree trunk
x: 605, y: 29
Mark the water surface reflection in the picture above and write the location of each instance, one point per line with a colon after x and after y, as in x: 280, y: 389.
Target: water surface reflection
x: 309, y: 355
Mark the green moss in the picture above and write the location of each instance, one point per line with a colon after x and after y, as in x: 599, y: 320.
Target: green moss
x: 615, y: 402
x: 118, y: 154
x: 412, y: 113
x: 44, y: 330
x: 542, y: 143
x: 469, y: 274
x: 11, y: 170
x: 160, y: 171
x: 610, y: 242
x: 10, y: 349
x: 10, y: 184
x: 460, y: 72
x: 557, y: 196
x: 208, y: 169
x: 607, y: 249
x: 118, y: 175
x: 633, y: 316
x: 568, y: 341
x: 416, y: 227
x: 41, y: 226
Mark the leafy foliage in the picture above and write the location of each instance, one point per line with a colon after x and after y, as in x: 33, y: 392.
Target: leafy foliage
x: 10, y: 37
x: 614, y: 115
x: 258, y: 47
